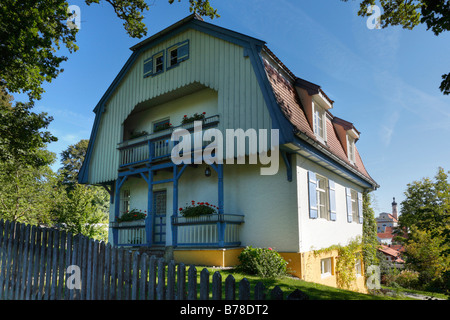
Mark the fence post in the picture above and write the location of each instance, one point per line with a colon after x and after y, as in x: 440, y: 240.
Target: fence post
x: 276, y: 294
x: 244, y: 289
x: 230, y: 288
x: 161, y: 280
x: 143, y: 279
x: 170, y: 294
x: 135, y: 276
x: 152, y: 279
x: 181, y: 284
x: 260, y: 291
x: 217, y: 286
x: 192, y: 283
x: 204, y: 284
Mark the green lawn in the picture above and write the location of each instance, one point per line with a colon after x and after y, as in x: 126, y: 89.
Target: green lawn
x: 289, y: 284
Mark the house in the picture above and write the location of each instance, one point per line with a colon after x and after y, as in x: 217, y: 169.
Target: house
x: 393, y: 254
x: 297, y: 190
x: 386, y: 225
x: 387, y: 220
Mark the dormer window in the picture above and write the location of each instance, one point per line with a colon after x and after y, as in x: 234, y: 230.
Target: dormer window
x: 177, y: 54
x: 319, y: 122
x: 351, y: 149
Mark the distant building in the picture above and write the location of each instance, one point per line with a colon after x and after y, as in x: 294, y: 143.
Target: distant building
x: 387, y: 220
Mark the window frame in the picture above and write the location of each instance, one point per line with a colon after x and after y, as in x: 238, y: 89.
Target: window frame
x: 176, y: 46
x: 355, y: 205
x: 323, y: 209
x: 125, y: 197
x: 319, y: 115
x: 155, y: 65
x: 326, y: 267
x: 351, y: 149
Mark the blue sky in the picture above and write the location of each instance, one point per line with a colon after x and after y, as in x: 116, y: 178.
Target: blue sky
x: 384, y: 81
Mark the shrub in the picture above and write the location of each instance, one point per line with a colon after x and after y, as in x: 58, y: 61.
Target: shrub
x: 263, y: 262
x: 408, y: 279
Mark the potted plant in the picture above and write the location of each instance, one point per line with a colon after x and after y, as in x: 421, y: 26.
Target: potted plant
x: 198, y: 209
x: 195, y: 117
x: 132, y: 217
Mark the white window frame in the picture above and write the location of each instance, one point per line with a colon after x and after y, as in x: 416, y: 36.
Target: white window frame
x: 161, y: 64
x: 326, y: 267
x: 323, y: 209
x: 319, y: 118
x: 351, y: 149
x: 125, y: 200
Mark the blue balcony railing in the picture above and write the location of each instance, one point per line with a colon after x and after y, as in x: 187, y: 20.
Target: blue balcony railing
x: 156, y: 146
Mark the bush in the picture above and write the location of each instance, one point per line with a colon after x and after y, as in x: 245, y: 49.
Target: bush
x: 408, y: 279
x: 263, y: 262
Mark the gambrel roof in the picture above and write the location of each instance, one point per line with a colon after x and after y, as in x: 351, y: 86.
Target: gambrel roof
x: 279, y: 92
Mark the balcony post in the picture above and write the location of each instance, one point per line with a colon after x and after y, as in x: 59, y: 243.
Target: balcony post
x: 119, y: 183
x: 175, y: 207
x: 149, y: 219
x: 221, y: 223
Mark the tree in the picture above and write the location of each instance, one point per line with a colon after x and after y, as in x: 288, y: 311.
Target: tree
x: 71, y: 159
x: 22, y: 134
x: 33, y: 31
x: 369, y: 241
x: 426, y: 218
x: 435, y: 14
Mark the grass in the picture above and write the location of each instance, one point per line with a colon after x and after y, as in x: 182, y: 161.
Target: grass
x: 289, y: 284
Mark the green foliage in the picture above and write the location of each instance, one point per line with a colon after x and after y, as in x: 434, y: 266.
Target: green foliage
x: 369, y: 240
x: 22, y: 138
x: 201, y: 7
x: 132, y: 215
x: 71, y: 159
x: 197, y: 210
x: 79, y: 212
x: 263, y: 262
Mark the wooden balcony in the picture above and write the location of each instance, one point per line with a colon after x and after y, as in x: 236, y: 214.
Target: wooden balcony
x: 155, y: 147
x: 216, y: 230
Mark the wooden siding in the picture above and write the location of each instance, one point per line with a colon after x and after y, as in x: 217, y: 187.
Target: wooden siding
x: 214, y: 63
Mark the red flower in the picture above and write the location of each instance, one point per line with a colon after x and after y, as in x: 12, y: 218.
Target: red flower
x: 185, y: 116
x: 204, y: 112
x: 181, y: 209
x: 270, y: 249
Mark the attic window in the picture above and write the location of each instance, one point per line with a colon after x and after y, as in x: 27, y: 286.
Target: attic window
x: 351, y: 149
x: 177, y: 54
x: 154, y: 65
x: 319, y: 122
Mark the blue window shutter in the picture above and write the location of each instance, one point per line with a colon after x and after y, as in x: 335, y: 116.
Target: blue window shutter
x: 148, y: 67
x: 332, y: 193
x: 312, y: 195
x: 360, y: 207
x: 349, y: 204
x: 183, y: 51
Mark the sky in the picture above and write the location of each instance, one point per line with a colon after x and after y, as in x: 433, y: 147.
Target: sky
x: 384, y: 81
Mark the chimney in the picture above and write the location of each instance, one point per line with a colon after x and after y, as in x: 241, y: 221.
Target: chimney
x: 394, y: 209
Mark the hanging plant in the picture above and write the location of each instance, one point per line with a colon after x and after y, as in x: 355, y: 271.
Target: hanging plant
x: 132, y: 215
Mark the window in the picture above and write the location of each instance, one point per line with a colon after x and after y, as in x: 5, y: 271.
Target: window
x: 161, y: 125
x: 358, y: 265
x: 351, y: 149
x: 326, y: 267
x: 322, y: 197
x: 319, y: 122
x: 125, y: 200
x: 154, y: 65
x: 177, y: 54
x: 355, y: 212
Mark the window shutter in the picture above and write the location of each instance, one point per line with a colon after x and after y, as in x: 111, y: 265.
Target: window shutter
x: 148, y: 67
x: 349, y: 204
x: 332, y: 200
x: 360, y: 207
x: 313, y: 212
x: 183, y: 51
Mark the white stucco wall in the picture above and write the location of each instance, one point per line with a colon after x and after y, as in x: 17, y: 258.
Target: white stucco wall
x: 320, y: 233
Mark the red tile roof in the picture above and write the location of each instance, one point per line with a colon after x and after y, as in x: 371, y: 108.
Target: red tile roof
x: 289, y: 102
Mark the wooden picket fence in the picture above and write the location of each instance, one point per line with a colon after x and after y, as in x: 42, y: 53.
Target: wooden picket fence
x: 48, y: 264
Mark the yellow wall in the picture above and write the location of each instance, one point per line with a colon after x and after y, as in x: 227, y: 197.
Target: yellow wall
x: 305, y: 266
